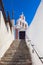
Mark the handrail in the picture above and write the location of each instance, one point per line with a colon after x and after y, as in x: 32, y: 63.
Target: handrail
x: 34, y: 49
x: 36, y: 52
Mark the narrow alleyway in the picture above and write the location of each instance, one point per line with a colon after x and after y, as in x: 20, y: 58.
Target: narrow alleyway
x: 17, y: 54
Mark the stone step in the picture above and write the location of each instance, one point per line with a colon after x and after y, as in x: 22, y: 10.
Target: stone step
x: 15, y: 63
x: 10, y: 58
x: 17, y: 54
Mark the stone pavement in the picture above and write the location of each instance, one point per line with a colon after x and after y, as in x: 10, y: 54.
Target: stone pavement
x: 17, y: 54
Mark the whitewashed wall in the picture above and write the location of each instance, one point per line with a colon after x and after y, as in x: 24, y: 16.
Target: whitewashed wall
x: 6, y: 37
x: 35, y: 34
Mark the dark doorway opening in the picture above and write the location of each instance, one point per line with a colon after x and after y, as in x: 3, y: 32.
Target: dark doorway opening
x: 22, y: 35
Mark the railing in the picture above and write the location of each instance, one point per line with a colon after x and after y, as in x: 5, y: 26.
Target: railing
x: 35, y: 50
x: 40, y: 58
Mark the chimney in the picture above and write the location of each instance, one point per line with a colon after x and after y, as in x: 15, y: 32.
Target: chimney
x: 12, y: 20
x: 9, y: 21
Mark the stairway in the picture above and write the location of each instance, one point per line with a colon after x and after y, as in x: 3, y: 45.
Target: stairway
x: 17, y: 54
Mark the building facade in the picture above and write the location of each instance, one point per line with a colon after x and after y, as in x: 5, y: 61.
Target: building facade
x: 21, y: 27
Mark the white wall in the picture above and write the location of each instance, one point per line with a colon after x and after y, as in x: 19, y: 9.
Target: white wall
x: 35, y: 59
x: 35, y: 34
x: 13, y: 25
x: 6, y: 37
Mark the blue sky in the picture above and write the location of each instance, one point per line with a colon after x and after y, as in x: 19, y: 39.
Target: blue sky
x: 28, y: 7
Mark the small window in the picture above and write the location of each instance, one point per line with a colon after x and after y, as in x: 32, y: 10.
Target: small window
x: 25, y: 26
x: 20, y: 22
x: 0, y: 7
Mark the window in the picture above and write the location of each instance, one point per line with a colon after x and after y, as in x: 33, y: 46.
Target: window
x: 25, y: 26
x: 0, y: 7
x: 20, y: 22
